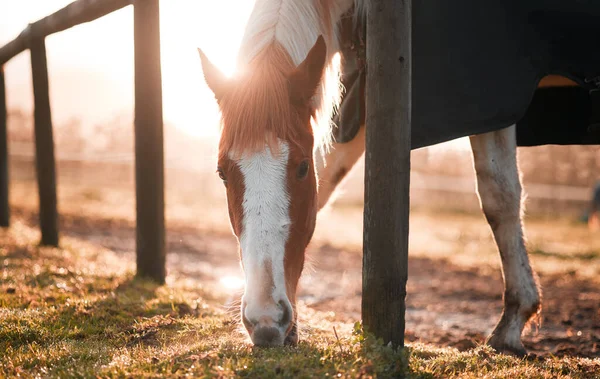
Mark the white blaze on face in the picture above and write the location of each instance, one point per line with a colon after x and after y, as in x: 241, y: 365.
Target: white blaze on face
x: 265, y: 231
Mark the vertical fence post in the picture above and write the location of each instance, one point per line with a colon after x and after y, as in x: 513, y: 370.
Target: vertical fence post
x: 44, y: 144
x: 4, y: 206
x: 149, y: 160
x: 387, y: 168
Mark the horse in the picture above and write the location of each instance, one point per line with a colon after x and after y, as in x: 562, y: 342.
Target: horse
x: 278, y: 169
x: 275, y: 112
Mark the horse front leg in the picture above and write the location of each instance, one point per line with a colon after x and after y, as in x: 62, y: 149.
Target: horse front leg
x: 499, y: 188
x: 337, y: 163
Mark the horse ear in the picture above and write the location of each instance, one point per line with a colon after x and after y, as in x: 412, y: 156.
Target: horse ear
x: 215, y: 79
x: 305, y: 79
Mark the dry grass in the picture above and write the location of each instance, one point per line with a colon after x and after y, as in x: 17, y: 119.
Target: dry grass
x: 77, y: 311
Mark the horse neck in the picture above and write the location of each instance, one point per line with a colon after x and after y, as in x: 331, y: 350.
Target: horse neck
x: 295, y: 25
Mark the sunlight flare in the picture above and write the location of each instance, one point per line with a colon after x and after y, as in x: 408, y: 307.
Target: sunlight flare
x: 232, y: 282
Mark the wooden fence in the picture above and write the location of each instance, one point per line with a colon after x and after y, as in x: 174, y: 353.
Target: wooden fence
x: 387, y: 173
x: 387, y: 168
x: 149, y: 154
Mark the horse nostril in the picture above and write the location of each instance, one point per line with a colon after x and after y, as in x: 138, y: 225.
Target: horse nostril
x: 286, y: 317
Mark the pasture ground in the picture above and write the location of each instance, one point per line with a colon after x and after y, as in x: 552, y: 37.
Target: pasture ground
x: 78, y: 310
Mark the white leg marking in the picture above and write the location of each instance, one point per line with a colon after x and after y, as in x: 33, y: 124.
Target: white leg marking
x: 499, y: 187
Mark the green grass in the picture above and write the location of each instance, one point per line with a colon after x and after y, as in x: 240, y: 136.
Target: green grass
x: 78, y: 311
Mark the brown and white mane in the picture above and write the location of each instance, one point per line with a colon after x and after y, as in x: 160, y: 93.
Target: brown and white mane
x: 291, y: 27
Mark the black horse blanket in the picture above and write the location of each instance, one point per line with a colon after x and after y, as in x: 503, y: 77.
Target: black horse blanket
x: 477, y: 64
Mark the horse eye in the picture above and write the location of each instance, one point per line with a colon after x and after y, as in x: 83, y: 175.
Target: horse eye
x: 222, y: 175
x: 302, y: 169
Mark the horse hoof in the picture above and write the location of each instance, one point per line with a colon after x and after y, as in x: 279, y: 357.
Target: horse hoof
x: 503, y: 347
x: 292, y: 338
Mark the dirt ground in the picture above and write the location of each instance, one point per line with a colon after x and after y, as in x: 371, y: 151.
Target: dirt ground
x: 454, y: 298
x: 454, y: 287
x: 449, y: 305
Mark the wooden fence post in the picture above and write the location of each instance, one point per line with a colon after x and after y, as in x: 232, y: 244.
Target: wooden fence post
x: 387, y: 168
x: 149, y: 154
x: 4, y: 206
x: 44, y: 144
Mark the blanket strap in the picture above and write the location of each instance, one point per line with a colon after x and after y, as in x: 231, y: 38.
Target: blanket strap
x: 594, y: 89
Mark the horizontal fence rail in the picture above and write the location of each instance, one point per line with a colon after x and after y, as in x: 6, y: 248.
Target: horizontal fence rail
x: 76, y: 13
